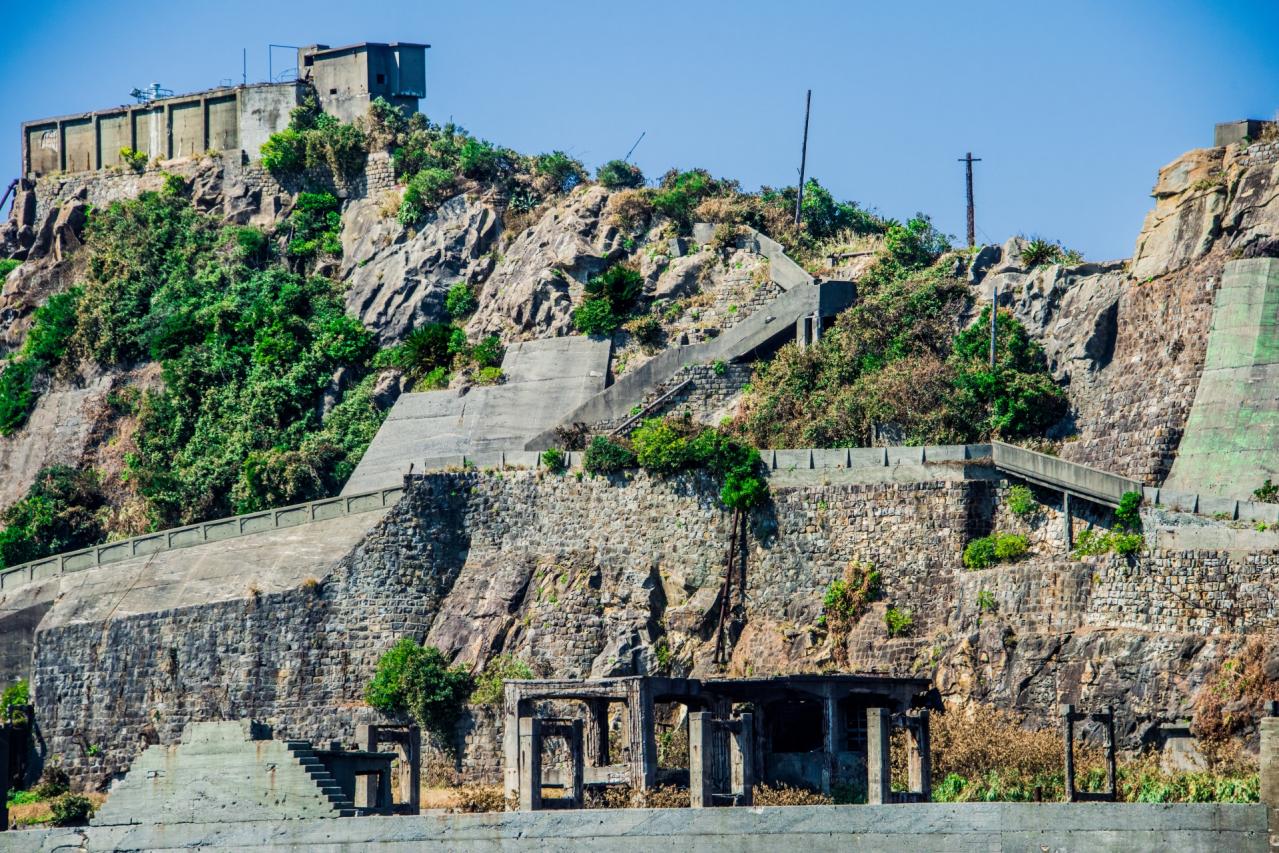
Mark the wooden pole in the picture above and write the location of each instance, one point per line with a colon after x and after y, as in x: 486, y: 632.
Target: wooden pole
x: 969, y: 160
x: 803, y: 161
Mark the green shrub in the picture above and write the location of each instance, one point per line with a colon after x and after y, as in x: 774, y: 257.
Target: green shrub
x: 15, y: 696
x: 488, y: 376
x: 54, y: 782
x: 619, y: 284
x: 660, y: 447
x: 1128, y: 514
x: 426, y: 191
x: 1038, y: 252
x: 71, y: 810
x: 1267, y: 492
x: 554, y: 460
x: 317, y: 226
x: 1095, y: 542
x: 562, y: 171
x: 173, y: 185
x: 488, y: 352
x: 846, y: 598
x: 283, y: 154
x: 418, y: 680
x: 618, y: 175
x: 1128, y: 543
x: 8, y: 265
x: 1021, y: 501
x: 680, y: 192
x: 899, y: 622
x: 605, y: 455
x: 16, y: 396
x: 59, y: 513
x: 135, y: 160
x: 595, y: 317
x: 1010, y: 546
x: 985, y: 601
x: 435, y: 378
x: 980, y: 553
x: 488, y: 686
x: 460, y: 300
x: 647, y: 330
x: 426, y: 348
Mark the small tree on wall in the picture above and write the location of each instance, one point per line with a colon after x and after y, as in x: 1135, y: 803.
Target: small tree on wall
x: 418, y: 680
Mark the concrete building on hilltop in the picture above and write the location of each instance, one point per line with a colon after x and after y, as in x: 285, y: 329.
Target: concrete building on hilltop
x: 345, y: 81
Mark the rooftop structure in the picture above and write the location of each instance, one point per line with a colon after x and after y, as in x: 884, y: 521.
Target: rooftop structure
x: 345, y: 79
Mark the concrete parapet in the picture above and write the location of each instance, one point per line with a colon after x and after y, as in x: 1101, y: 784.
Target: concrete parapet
x: 924, y: 827
x: 1080, y: 480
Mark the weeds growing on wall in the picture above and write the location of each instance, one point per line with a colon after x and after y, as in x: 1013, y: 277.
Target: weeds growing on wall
x: 1021, y: 501
x: 315, y: 140
x: 500, y: 668
x: 608, y: 298
x: 985, y: 551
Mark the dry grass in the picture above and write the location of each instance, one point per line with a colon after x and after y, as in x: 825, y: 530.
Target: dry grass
x: 784, y: 795
x: 630, y: 209
x: 471, y: 799
x: 37, y: 814
x: 624, y: 797
x: 1230, y: 704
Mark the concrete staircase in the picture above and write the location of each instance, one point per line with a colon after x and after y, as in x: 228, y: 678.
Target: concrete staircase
x: 320, y: 775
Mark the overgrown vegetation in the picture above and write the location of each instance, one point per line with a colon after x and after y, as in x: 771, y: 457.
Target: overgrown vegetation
x: 418, y: 680
x: 667, y: 446
x: 1039, y: 252
x: 44, y: 348
x: 845, y: 602
x: 608, y: 298
x: 315, y: 140
x: 896, y: 361
x: 988, y: 755
x: 608, y: 456
x: 899, y: 622
x: 619, y: 175
x: 488, y: 685
x: 1021, y: 501
x: 61, y: 512
x: 1126, y: 539
x: 985, y: 551
x: 1267, y: 492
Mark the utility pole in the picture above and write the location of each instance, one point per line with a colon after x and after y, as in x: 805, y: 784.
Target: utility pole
x: 994, y: 312
x: 972, y: 222
x: 803, y: 160
x: 627, y: 158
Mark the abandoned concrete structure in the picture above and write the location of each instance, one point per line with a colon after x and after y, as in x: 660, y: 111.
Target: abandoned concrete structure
x: 345, y: 81
x: 815, y: 731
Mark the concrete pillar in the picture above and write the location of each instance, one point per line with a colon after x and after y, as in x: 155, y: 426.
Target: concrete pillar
x: 741, y: 760
x: 365, y: 739
x: 97, y: 141
x: 700, y: 772
x: 511, y: 744
x: 597, y: 752
x: 643, y: 738
x: 530, y: 762
x: 204, y: 126
x: 1066, y: 532
x: 62, y: 148
x: 830, y: 740
x: 576, y: 759
x: 1068, y: 746
x: 1269, y: 769
x: 383, y: 803
x: 412, y: 774
x: 166, y: 128
x: 879, y: 771
x: 921, y: 758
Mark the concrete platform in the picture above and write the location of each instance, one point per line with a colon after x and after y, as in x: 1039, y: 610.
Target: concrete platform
x: 1123, y: 828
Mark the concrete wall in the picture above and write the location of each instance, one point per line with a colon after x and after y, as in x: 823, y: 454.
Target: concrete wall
x: 1231, y: 443
x: 219, y: 119
x: 1135, y: 828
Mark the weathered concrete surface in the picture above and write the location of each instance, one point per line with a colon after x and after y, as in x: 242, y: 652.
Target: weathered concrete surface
x: 546, y: 379
x: 220, y: 771
x: 1231, y: 443
x: 1198, y: 828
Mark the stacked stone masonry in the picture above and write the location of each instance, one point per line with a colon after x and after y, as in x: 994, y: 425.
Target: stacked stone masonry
x: 591, y: 577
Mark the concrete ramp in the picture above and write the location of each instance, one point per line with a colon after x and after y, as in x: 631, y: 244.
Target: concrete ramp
x: 1231, y: 441
x: 545, y: 380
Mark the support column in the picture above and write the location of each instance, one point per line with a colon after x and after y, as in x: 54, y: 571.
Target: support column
x: 741, y: 760
x: 830, y: 740
x: 643, y: 738
x: 1068, y: 736
x: 97, y: 141
x: 365, y: 739
x: 921, y: 758
x: 511, y: 744
x: 576, y: 759
x: 1066, y: 532
x: 879, y: 771
x: 383, y: 804
x: 597, y: 752
x: 1269, y: 769
x: 413, y: 747
x: 700, y: 730
x: 530, y: 764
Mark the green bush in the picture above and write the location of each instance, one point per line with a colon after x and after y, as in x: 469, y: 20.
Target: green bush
x: 59, y: 513
x: 660, y: 447
x: 317, y: 226
x: 595, y: 317
x: 173, y: 185
x: 16, y: 396
x: 680, y: 192
x: 618, y: 175
x: 418, y: 680
x: 426, y: 348
x: 435, y: 378
x: 562, y: 171
x: 8, y: 265
x: 553, y: 460
x: 1128, y: 513
x: 71, y: 810
x: 488, y: 686
x: 1039, y: 252
x: 1093, y: 542
x: 846, y: 598
x: 488, y: 376
x: 980, y: 553
x: 1021, y: 501
x: 898, y: 622
x: 1010, y: 546
x: 460, y: 300
x: 605, y: 455
x: 488, y: 352
x: 425, y: 191
x: 283, y: 154
x: 135, y: 160
x: 15, y: 696
x: 1267, y: 492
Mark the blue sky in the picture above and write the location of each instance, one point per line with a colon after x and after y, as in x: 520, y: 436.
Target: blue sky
x: 1073, y: 106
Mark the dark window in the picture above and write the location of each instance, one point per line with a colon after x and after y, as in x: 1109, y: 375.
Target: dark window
x: 333, y: 91
x: 796, y: 725
x: 381, y: 78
